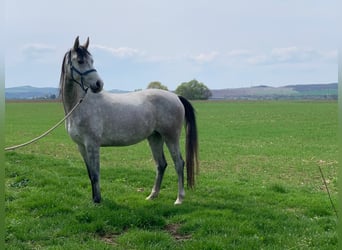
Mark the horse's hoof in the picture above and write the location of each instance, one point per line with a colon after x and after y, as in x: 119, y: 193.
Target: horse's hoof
x: 152, y: 196
x: 97, y: 200
x: 178, y: 202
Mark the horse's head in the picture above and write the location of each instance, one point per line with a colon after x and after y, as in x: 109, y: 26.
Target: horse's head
x: 78, y: 67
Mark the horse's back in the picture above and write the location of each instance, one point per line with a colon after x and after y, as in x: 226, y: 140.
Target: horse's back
x: 161, y: 100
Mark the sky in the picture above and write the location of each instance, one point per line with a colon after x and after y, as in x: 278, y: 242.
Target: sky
x: 224, y: 44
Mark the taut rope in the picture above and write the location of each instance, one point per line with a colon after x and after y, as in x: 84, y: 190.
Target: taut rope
x: 47, y: 132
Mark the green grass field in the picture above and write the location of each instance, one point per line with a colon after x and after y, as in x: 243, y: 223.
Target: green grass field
x: 259, y: 185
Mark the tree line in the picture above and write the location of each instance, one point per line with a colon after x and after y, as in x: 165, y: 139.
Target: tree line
x: 192, y: 90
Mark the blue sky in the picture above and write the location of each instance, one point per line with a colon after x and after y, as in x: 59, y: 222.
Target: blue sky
x: 224, y: 44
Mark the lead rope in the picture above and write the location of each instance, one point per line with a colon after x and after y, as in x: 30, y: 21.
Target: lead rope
x: 326, y: 186
x: 47, y: 132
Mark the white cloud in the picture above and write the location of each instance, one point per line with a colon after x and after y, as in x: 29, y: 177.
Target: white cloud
x: 258, y: 59
x: 330, y: 56
x: 37, y: 51
x: 292, y: 55
x: 121, y: 52
x: 205, y: 57
x: 239, y: 53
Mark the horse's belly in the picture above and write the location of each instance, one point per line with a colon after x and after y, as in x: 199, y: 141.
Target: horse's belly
x: 124, y: 138
x: 118, y: 143
x: 127, y: 128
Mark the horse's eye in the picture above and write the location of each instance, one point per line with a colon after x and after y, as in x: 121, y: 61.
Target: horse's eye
x: 80, y: 61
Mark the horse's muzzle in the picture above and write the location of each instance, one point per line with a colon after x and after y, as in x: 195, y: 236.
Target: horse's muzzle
x: 97, y: 87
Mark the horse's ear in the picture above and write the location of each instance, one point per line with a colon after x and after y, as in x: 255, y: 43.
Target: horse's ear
x: 77, y: 43
x: 86, y: 45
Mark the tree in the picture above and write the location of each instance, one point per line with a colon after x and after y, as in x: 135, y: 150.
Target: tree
x: 156, y: 85
x: 193, y: 90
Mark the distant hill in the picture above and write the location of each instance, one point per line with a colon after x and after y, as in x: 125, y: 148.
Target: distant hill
x: 261, y: 92
x: 29, y: 92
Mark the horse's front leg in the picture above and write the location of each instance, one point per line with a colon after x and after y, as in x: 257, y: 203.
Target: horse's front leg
x: 91, y: 156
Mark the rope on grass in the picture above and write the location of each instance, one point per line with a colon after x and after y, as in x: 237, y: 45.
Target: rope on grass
x: 326, y: 186
x: 47, y: 132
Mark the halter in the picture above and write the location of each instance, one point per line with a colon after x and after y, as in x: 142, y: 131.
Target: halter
x: 82, y: 74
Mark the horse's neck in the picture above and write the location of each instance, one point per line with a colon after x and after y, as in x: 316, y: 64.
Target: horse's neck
x: 71, y: 95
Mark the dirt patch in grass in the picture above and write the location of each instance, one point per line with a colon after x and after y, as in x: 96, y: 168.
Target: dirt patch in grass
x: 172, y: 229
x: 110, y: 239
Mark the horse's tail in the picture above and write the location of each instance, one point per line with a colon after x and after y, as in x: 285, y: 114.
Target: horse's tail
x: 191, y: 142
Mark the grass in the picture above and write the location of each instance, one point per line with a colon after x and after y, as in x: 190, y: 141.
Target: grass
x: 259, y: 185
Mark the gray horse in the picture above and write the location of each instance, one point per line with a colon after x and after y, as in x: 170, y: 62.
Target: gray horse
x: 105, y: 119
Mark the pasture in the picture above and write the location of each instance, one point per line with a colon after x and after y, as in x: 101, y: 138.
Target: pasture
x: 259, y: 185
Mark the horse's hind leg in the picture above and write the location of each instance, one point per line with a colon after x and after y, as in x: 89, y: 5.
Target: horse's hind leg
x: 156, y: 143
x: 91, y: 157
x: 179, y: 165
